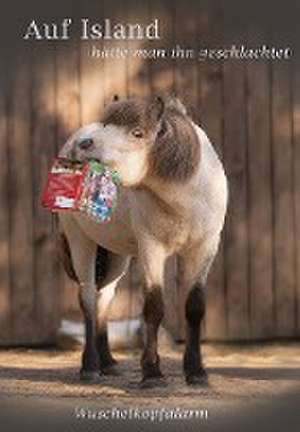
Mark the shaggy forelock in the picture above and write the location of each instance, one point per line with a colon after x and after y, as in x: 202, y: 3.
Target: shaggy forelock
x: 128, y: 113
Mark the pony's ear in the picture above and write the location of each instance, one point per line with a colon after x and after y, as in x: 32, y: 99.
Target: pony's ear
x: 156, y: 108
x: 174, y: 103
x: 178, y: 105
x: 115, y: 98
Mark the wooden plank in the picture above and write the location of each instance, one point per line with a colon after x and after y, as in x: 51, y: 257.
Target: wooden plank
x: 138, y: 69
x: 260, y: 194
x: 68, y: 102
x: 212, y: 121
x: 20, y: 193
x: 296, y: 182
x: 186, y: 66
x: 260, y: 191
x: 151, y: 17
x: 5, y: 305
x: 162, y: 70
x: 115, y: 69
x: 43, y: 143
x: 91, y: 70
x: 284, y: 235
x: 260, y: 202
x: 106, y: 94
x: 235, y: 156
x: 179, y: 28
x: 236, y: 249
x: 171, y: 14
x: 68, y: 106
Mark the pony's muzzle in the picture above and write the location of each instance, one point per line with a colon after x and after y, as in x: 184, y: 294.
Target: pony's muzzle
x: 86, y: 144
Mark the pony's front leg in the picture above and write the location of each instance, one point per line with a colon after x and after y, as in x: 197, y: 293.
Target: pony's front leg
x: 83, y: 252
x: 90, y: 368
x: 194, y: 370
x: 153, y: 257
x: 116, y: 267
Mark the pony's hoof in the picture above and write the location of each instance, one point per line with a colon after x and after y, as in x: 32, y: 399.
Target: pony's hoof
x: 111, y: 370
x: 90, y: 377
x: 197, y: 379
x: 155, y: 382
x: 113, y: 361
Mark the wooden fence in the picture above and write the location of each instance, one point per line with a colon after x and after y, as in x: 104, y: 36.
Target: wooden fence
x: 250, y: 110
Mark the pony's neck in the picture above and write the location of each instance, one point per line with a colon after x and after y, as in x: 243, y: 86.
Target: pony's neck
x: 175, y: 197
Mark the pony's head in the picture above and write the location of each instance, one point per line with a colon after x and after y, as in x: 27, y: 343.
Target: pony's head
x: 139, y: 138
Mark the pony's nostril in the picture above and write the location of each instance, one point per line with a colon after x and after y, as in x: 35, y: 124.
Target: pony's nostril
x: 86, y: 144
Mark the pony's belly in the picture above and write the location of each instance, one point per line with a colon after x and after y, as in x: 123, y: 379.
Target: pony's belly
x: 116, y: 235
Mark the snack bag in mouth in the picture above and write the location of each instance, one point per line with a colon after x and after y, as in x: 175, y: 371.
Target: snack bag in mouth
x: 89, y: 187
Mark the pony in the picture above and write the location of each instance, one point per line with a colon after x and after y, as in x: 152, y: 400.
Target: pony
x: 172, y: 201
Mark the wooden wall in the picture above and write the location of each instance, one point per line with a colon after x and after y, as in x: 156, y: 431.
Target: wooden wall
x: 250, y: 110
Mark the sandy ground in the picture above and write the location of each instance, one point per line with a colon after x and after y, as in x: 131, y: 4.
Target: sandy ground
x: 242, y: 378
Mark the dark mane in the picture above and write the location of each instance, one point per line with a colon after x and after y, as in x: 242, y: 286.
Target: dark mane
x: 175, y: 155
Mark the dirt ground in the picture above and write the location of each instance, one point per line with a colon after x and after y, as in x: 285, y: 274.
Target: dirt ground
x: 240, y: 377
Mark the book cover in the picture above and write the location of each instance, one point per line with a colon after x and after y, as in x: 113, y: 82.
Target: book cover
x: 196, y: 104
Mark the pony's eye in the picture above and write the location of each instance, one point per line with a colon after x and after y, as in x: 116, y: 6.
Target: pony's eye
x: 137, y: 133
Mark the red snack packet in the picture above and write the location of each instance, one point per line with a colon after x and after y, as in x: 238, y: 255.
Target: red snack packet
x: 89, y: 187
x: 64, y: 185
